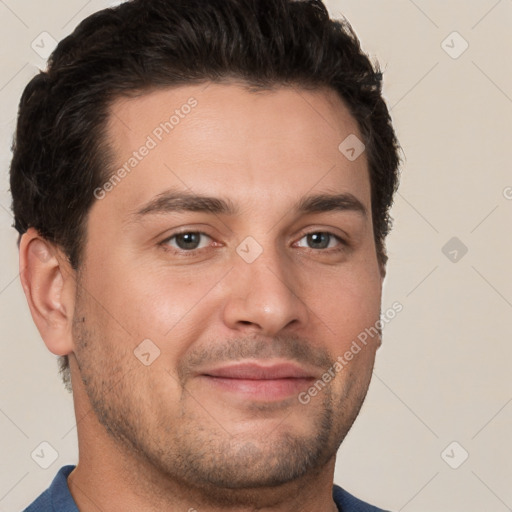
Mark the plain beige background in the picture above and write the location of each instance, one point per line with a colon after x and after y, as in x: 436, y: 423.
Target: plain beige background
x: 442, y: 388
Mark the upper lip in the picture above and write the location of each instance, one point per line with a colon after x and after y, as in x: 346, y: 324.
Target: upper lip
x: 259, y: 371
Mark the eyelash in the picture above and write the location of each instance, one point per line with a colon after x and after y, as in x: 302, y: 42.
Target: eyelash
x: 192, y: 252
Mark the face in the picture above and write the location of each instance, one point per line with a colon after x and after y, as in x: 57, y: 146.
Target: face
x: 225, y: 272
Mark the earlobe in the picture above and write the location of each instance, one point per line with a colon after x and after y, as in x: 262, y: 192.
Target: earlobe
x: 49, y: 283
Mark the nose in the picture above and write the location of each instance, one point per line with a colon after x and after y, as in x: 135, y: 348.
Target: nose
x: 264, y: 296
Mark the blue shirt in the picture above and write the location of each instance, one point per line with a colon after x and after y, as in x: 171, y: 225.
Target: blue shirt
x: 57, y: 498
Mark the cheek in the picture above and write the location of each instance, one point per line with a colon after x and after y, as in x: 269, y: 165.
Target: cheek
x: 348, y: 306
x: 168, y: 306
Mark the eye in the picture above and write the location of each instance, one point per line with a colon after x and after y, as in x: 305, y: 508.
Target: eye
x: 320, y: 240
x: 188, y: 241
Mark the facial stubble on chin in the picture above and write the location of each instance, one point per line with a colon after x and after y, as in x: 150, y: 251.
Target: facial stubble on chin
x: 191, y: 446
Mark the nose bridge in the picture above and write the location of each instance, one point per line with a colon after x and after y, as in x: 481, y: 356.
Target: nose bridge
x: 263, y: 292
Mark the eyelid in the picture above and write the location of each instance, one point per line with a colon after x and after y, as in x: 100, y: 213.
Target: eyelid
x: 341, y: 235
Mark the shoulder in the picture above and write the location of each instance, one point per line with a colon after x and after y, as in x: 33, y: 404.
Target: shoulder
x: 57, y: 497
x: 348, y: 503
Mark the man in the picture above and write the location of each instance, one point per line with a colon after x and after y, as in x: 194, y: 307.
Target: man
x: 202, y: 190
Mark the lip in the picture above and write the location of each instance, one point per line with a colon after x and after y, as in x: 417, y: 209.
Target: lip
x: 259, y: 381
x: 256, y: 371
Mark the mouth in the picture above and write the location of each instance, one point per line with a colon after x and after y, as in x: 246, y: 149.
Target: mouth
x: 259, y: 381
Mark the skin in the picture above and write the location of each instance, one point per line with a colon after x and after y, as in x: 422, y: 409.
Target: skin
x: 165, y: 436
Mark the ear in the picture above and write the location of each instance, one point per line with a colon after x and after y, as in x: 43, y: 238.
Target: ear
x: 49, y: 284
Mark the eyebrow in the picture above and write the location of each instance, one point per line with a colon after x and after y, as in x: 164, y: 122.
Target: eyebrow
x: 171, y: 201
x: 176, y: 201
x: 331, y: 202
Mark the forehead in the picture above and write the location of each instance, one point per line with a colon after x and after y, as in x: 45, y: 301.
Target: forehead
x: 224, y: 140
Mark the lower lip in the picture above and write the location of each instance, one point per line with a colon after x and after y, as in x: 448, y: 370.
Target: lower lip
x: 265, y: 390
